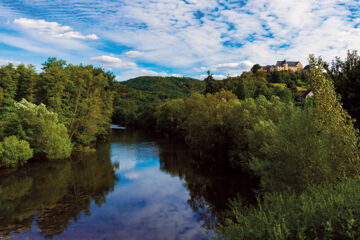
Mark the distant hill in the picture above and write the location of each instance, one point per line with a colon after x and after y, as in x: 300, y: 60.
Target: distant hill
x: 165, y: 87
x: 134, y: 97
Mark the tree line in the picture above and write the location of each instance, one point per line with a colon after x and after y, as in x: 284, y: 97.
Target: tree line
x: 47, y: 114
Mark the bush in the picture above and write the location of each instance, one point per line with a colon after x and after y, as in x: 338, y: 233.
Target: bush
x: 299, y: 152
x: 170, y: 117
x: 205, y: 123
x: 327, y: 212
x: 41, y: 129
x: 218, y: 125
x: 14, y: 152
x: 244, y: 117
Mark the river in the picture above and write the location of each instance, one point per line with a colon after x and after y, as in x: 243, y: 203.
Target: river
x: 134, y: 187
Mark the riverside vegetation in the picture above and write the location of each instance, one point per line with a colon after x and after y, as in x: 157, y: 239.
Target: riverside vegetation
x: 305, y: 154
x: 45, y: 115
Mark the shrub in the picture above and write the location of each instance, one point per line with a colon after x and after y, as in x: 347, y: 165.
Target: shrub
x: 299, y: 152
x: 205, y: 123
x: 14, y: 152
x: 41, y: 129
x: 244, y: 117
x: 170, y: 117
x: 327, y: 212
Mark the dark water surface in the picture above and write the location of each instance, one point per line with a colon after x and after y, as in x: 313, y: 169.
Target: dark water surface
x: 135, y: 187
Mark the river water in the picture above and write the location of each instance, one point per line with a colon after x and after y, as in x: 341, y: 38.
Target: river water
x: 134, y: 187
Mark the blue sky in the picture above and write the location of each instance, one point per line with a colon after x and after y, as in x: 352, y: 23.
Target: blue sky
x: 176, y: 37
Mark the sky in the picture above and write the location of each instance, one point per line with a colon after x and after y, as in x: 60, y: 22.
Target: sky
x: 176, y: 37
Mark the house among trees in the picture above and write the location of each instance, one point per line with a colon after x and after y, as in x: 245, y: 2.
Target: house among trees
x: 268, y: 68
x: 283, y: 66
x: 288, y: 66
x: 306, y: 94
x: 307, y: 68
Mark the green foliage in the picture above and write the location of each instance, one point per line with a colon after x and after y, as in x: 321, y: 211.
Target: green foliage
x: 330, y: 113
x: 205, y: 124
x: 170, y: 117
x: 218, y: 125
x: 255, y: 68
x: 210, y: 84
x: 327, y: 212
x: 321, y: 142
x: 8, y: 82
x: 165, y: 87
x: 135, y: 99
x: 27, y: 78
x: 14, y: 152
x: 288, y: 77
x: 346, y: 77
x: 80, y: 95
x: 242, y: 120
x: 41, y: 129
x: 250, y: 85
x: 299, y: 152
x: 1, y: 94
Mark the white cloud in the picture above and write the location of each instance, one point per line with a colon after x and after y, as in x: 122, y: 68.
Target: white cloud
x: 167, y: 33
x: 44, y: 39
x: 134, y: 54
x: 136, y: 72
x: 215, y: 76
x: 132, y: 175
x: 176, y: 75
x: 6, y: 62
x: 243, y: 65
x: 200, y: 69
x: 37, y: 67
x: 146, y: 72
x: 112, y: 62
x: 54, y: 29
x: 76, y: 35
x: 261, y: 31
x: 41, y: 25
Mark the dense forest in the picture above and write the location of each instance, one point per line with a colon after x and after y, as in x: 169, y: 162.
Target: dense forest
x: 47, y: 114
x: 303, y: 151
x: 136, y: 98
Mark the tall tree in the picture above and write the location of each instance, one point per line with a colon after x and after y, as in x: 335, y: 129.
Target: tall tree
x: 210, y: 82
x: 346, y: 76
x: 26, y: 82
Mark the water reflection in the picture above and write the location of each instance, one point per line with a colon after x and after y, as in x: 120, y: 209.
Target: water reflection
x: 136, y: 187
x: 210, y: 186
x: 51, y: 195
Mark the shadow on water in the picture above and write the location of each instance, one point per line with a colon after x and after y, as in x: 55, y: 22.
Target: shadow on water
x: 210, y: 186
x: 50, y: 197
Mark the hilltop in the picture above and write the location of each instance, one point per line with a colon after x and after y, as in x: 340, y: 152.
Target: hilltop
x: 134, y: 97
x: 165, y: 87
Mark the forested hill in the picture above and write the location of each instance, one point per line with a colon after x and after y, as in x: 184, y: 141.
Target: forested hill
x: 165, y: 87
x: 137, y: 97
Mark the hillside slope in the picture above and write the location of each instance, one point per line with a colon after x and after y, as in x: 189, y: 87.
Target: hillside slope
x: 134, y: 97
x: 165, y: 87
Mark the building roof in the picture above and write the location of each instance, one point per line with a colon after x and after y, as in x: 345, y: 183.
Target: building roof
x: 305, y: 93
x: 267, y: 66
x: 290, y: 63
x: 307, y: 67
